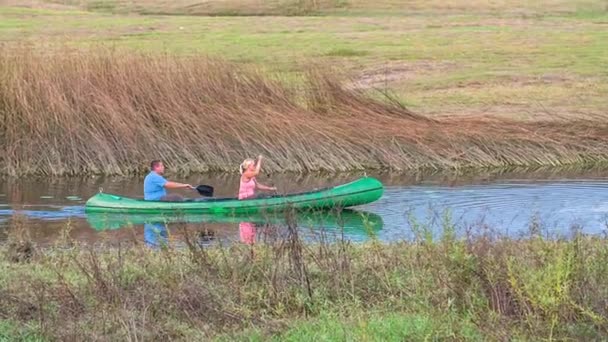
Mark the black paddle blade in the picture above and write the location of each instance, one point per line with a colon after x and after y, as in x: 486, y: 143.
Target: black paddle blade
x: 205, y: 190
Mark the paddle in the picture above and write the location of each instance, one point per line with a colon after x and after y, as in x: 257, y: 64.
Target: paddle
x: 205, y: 190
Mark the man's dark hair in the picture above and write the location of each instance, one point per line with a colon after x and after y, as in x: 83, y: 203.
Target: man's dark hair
x: 154, y: 164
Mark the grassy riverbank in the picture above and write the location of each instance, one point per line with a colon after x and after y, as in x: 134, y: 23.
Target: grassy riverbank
x: 105, y: 86
x: 111, y: 112
x: 469, y: 289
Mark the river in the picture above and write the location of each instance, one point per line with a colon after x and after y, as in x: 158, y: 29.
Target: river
x: 513, y: 204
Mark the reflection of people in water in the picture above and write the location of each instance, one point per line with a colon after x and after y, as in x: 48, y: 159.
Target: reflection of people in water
x: 247, y: 232
x: 156, y: 235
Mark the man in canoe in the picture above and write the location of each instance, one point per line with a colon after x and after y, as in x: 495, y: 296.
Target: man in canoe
x: 155, y: 185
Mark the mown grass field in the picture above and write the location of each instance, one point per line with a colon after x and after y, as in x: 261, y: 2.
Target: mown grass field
x: 507, y: 58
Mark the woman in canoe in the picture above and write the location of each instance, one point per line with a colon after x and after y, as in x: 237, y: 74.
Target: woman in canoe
x: 249, y: 170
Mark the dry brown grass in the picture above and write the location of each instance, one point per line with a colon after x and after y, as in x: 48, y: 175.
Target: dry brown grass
x: 197, y: 7
x: 306, y: 7
x: 101, y: 111
x: 480, y: 6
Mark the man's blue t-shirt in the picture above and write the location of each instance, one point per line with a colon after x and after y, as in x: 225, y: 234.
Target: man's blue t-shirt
x: 154, y: 187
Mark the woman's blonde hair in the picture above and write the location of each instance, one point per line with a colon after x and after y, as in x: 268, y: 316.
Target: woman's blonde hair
x: 245, y: 164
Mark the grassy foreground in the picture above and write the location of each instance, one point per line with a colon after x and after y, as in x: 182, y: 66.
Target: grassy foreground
x: 450, y: 289
x: 111, y: 112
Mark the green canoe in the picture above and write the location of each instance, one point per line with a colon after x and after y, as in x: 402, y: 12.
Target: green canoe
x: 358, y: 192
x: 350, y: 221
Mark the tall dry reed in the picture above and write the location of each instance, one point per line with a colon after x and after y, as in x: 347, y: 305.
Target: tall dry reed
x: 104, y: 111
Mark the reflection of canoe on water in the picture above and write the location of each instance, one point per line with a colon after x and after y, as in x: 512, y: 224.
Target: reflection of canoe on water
x: 362, y: 191
x: 349, y: 220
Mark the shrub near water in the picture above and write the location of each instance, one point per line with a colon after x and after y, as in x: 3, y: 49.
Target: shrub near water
x: 497, y: 289
x: 100, y: 111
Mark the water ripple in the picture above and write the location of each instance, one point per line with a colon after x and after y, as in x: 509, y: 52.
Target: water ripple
x: 509, y: 206
x: 49, y: 213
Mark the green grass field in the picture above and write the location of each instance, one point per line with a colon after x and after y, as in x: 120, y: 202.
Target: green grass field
x: 525, y: 61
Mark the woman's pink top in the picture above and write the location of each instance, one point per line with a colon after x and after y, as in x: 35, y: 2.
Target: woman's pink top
x: 247, y: 189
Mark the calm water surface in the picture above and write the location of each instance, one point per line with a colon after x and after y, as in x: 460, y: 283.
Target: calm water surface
x: 510, y: 204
